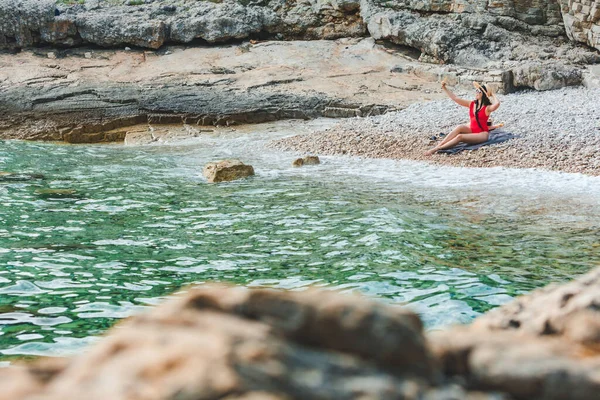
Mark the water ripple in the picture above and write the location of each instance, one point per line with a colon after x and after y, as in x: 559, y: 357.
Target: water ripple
x: 140, y: 223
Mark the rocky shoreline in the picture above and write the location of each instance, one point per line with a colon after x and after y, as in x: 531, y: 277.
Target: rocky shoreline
x: 233, y: 343
x: 557, y: 130
x: 232, y: 61
x: 82, y: 95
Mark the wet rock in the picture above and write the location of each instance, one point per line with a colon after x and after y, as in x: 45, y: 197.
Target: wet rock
x: 78, y: 136
x: 138, y: 137
x: 227, y: 170
x: 91, y: 112
x: 308, y: 160
x: 311, y: 160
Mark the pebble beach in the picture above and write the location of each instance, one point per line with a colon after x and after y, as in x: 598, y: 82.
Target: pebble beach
x: 557, y: 130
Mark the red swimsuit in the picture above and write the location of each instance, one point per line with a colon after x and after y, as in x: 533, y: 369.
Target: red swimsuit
x: 483, y: 119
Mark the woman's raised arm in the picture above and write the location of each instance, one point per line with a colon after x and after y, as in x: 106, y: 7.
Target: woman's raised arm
x: 495, y: 102
x: 455, y: 98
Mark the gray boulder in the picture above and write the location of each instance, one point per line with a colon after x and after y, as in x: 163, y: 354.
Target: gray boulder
x: 473, y: 37
x: 546, y: 76
x: 151, y: 24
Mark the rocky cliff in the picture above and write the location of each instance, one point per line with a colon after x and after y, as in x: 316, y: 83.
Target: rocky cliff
x: 456, y: 31
x: 225, y: 343
x: 582, y: 21
x: 513, y: 44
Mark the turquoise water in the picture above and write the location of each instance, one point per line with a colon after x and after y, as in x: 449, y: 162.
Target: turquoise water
x: 134, y: 224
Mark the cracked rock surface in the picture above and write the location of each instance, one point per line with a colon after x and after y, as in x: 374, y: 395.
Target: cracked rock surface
x: 80, y: 95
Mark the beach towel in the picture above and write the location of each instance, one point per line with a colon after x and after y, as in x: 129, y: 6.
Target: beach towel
x: 496, y: 136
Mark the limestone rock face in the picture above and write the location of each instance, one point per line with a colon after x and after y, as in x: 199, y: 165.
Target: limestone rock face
x: 582, y: 21
x: 474, y: 37
x: 24, y: 22
x: 151, y: 24
x: 227, y: 170
x: 447, y: 30
x: 498, y: 35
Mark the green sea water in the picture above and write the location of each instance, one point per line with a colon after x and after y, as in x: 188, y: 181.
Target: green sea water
x: 132, y: 225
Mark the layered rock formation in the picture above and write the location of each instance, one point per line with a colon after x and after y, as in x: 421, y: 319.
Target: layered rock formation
x: 151, y: 24
x: 582, y: 21
x: 224, y: 343
x: 515, y: 44
x: 468, y: 33
x: 87, y: 95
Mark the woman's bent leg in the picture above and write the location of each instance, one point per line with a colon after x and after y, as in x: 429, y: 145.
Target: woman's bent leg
x: 451, y: 136
x: 471, y: 138
x: 455, y: 131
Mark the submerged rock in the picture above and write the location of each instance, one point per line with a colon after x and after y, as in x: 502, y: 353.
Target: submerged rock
x: 227, y: 170
x: 55, y: 193
x: 17, y: 177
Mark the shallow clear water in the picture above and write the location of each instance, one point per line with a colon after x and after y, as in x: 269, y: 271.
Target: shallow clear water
x: 138, y: 223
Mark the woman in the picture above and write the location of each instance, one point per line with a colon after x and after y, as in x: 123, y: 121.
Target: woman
x: 479, y: 111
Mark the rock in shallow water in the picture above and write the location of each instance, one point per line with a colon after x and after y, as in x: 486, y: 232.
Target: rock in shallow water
x: 55, y: 193
x: 17, y: 177
x: 308, y: 160
x: 227, y: 170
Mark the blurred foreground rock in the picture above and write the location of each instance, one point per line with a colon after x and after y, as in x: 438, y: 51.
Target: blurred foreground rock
x: 227, y: 170
x: 545, y: 345
x: 234, y: 343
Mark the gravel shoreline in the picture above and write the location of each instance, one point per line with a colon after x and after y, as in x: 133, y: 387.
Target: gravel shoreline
x: 558, y: 130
